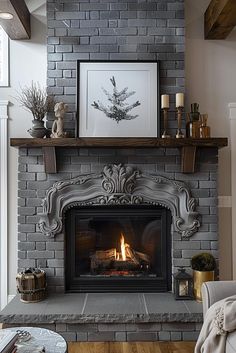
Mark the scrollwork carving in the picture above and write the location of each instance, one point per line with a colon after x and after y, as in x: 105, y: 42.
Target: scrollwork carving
x: 119, y: 185
x: 119, y: 179
x: 120, y: 200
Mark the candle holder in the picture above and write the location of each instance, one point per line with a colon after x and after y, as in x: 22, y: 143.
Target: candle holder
x: 179, y: 133
x: 165, y: 133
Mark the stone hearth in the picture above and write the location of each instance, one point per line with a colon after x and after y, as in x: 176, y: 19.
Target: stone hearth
x: 110, y: 317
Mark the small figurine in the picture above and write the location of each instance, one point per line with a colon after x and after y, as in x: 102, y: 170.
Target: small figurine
x: 58, y: 125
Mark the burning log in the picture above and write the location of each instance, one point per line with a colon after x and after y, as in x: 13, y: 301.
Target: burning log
x: 143, y: 257
x: 99, y: 263
x: 102, y: 259
x: 127, y: 265
x: 106, y: 254
x: 133, y: 256
x: 127, y: 259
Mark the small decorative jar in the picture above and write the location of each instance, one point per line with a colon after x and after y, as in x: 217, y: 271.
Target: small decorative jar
x: 205, y: 131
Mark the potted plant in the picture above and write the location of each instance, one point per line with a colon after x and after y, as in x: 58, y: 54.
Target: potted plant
x: 203, y: 266
x: 35, y: 100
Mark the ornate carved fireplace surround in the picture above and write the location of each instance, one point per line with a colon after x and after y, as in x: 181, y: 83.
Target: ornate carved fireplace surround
x: 138, y: 203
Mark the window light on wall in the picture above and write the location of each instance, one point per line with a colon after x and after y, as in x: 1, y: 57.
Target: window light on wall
x: 4, y: 71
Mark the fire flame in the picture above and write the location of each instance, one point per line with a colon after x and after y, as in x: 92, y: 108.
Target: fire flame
x: 124, y: 252
x: 123, y: 247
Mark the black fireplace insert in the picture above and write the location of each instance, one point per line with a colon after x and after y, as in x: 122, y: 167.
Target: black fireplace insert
x: 118, y: 249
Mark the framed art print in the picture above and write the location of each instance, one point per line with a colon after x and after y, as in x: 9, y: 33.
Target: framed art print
x: 118, y: 99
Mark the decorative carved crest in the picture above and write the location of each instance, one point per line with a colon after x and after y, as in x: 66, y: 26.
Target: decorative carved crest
x: 119, y: 179
x: 119, y: 185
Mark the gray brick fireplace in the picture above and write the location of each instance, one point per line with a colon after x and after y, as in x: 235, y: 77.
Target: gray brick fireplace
x: 40, y: 250
x: 112, y: 30
x: 93, y: 317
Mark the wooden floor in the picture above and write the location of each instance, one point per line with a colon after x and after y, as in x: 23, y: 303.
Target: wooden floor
x: 132, y: 347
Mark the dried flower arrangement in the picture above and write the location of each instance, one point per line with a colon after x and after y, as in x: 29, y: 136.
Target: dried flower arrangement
x: 35, y: 99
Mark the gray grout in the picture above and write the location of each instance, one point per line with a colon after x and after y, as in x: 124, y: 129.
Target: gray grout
x: 85, y: 302
x: 145, y: 304
x: 186, y: 306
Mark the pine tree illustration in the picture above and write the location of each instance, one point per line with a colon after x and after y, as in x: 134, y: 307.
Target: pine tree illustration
x: 119, y: 109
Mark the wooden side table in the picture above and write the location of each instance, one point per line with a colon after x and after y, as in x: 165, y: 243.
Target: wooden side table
x: 52, y: 341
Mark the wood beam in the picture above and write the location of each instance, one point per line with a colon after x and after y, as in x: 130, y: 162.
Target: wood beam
x: 121, y: 142
x: 188, y: 159
x: 50, y: 160
x: 19, y: 26
x: 220, y: 19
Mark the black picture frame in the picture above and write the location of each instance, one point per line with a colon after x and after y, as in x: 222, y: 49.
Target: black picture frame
x: 83, y: 87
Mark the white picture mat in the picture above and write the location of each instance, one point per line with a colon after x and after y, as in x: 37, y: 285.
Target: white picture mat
x: 138, y: 77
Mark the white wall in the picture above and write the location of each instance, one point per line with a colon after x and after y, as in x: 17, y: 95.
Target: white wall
x: 27, y: 63
x: 211, y: 81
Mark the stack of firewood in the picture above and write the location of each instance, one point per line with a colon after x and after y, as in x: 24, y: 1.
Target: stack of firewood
x: 111, y: 259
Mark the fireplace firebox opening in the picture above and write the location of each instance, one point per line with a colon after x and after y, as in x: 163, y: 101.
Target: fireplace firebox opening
x: 118, y: 248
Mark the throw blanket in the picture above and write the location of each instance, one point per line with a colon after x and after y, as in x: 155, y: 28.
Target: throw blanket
x: 220, y: 319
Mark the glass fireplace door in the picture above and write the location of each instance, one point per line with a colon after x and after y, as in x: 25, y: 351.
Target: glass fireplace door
x: 117, y: 249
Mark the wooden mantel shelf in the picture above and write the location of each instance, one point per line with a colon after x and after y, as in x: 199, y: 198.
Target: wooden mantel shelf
x: 125, y: 142
x: 188, y: 146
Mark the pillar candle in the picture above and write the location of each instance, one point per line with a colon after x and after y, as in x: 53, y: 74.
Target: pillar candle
x: 179, y: 100
x: 165, y: 103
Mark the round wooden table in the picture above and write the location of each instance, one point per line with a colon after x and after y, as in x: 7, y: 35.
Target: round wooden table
x: 52, y: 341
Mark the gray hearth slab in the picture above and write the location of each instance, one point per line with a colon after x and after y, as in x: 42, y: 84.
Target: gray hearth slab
x: 66, y: 304
x: 163, y: 302
x: 116, y: 303
x: 193, y: 307
x: 16, y: 307
x: 102, y: 308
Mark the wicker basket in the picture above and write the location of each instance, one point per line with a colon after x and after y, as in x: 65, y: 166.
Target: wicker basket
x: 31, y: 284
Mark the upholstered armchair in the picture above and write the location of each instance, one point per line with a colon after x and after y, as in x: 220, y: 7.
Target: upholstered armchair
x: 213, y: 292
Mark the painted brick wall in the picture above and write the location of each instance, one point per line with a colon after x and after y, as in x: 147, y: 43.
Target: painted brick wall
x: 38, y: 250
x: 113, y: 30
x: 123, y: 332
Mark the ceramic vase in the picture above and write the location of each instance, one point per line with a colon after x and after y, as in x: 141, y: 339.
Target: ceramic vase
x: 38, y: 129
